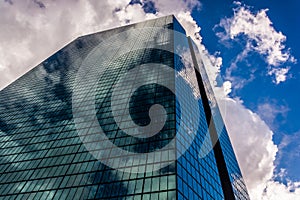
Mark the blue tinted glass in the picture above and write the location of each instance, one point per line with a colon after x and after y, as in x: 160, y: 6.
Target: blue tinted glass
x: 42, y: 156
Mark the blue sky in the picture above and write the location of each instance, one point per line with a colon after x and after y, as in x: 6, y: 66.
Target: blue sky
x: 252, y: 46
x: 261, y: 90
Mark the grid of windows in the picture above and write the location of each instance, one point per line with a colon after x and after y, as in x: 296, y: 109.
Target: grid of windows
x: 40, y: 151
x: 197, y: 178
x: 42, y: 157
x: 232, y: 167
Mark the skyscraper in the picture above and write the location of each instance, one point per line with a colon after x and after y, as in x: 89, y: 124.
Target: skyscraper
x: 127, y: 113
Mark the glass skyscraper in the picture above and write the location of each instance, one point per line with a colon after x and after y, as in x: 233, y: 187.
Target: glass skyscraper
x: 127, y: 113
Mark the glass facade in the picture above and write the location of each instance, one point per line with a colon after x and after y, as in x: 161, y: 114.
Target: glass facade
x: 196, y: 178
x: 223, y: 142
x: 43, y: 156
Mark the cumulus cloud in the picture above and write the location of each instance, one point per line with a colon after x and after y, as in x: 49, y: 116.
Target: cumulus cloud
x: 280, y: 74
x: 227, y: 87
x: 174, y: 7
x: 252, y: 140
x: 32, y: 30
x: 256, y: 152
x: 190, y: 25
x: 278, y: 191
x: 261, y: 37
x: 250, y: 136
x: 258, y: 28
x: 30, y: 33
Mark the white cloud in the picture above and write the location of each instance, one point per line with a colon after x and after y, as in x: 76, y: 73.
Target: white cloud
x: 280, y: 74
x: 278, y: 191
x: 255, y: 150
x: 250, y: 135
x: 252, y: 141
x: 29, y: 34
x: 261, y: 37
x: 190, y: 25
x: 227, y: 87
x: 172, y: 7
